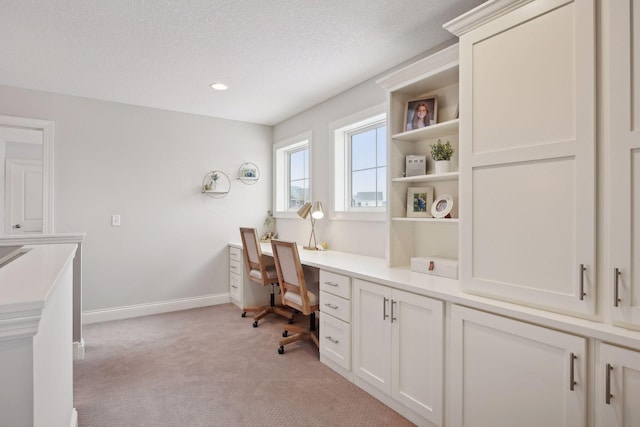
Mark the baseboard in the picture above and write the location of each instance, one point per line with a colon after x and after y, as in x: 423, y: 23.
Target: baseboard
x: 126, y: 312
x: 74, y: 418
x: 78, y: 350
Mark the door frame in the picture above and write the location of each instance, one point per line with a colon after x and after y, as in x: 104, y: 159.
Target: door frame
x: 47, y: 129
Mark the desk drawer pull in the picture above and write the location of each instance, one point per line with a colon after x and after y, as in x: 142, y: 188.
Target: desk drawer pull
x: 234, y: 286
x: 333, y: 340
x: 335, y: 285
x: 335, y: 307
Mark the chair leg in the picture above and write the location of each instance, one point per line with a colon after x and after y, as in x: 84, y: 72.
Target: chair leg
x: 273, y: 308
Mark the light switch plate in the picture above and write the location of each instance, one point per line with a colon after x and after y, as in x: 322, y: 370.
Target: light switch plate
x: 115, y: 220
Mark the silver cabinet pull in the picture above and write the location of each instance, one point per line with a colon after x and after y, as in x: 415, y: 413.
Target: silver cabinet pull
x: 616, y: 276
x: 608, y: 395
x: 572, y: 379
x: 335, y: 307
x: 234, y: 286
x: 333, y: 340
x: 384, y: 308
x: 392, y: 304
x: 335, y: 285
x: 582, y: 293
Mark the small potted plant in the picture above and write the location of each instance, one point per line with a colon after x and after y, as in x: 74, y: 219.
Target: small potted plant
x: 270, y: 223
x: 211, y: 185
x: 441, y: 154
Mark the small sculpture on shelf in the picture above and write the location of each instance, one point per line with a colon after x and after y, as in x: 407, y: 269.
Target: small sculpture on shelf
x: 211, y: 185
x: 270, y: 223
x: 441, y: 154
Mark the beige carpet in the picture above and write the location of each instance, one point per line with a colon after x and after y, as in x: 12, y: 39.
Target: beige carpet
x: 210, y: 367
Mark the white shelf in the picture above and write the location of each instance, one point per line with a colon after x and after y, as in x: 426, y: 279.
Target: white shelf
x: 438, y: 220
x: 429, y: 177
x: 430, y: 132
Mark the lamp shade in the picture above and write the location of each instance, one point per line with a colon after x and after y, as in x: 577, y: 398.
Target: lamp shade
x: 304, y: 210
x: 317, y: 212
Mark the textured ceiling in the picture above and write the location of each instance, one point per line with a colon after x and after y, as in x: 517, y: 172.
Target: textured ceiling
x: 279, y: 57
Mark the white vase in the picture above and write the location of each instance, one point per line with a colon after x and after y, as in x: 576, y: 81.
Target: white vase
x: 443, y: 166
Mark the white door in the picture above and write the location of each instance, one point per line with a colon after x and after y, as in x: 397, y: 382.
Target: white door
x: 417, y: 351
x: 527, y: 83
x: 624, y: 145
x: 510, y: 373
x: 23, y: 194
x: 618, y: 387
x: 372, y: 334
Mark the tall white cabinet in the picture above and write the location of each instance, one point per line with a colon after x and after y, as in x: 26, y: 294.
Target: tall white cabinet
x: 623, y: 114
x: 527, y: 104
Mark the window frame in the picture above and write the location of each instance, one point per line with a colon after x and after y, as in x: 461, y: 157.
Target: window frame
x: 341, y: 131
x: 281, y: 172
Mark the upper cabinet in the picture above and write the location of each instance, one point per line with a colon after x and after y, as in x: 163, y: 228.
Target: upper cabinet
x: 622, y: 82
x: 413, y: 231
x: 527, y: 175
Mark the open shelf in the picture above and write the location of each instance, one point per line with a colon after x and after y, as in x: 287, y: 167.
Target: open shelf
x: 429, y: 177
x: 439, y: 220
x: 430, y: 132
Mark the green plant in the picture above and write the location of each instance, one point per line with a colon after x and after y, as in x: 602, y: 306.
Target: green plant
x: 215, y: 177
x: 440, y: 151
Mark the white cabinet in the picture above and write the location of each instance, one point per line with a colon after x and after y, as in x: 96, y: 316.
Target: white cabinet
x: 436, y: 75
x: 617, y: 387
x: 527, y: 126
x: 623, y: 204
x: 335, y: 322
x: 509, y: 373
x: 247, y: 295
x: 398, y: 346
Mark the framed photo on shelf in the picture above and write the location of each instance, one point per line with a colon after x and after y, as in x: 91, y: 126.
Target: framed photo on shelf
x: 419, y: 201
x: 441, y: 207
x: 421, y: 112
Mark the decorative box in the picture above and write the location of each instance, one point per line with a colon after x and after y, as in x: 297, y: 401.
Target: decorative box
x: 416, y: 165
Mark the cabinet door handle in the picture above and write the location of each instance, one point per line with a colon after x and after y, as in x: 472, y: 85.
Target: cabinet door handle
x: 392, y: 304
x: 335, y: 307
x: 335, y: 285
x: 333, y: 340
x: 616, y: 276
x: 572, y: 379
x: 384, y: 308
x: 234, y: 286
x: 608, y: 395
x: 582, y: 293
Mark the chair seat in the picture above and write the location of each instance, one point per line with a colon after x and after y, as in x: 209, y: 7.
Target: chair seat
x: 297, y: 298
x: 271, y: 273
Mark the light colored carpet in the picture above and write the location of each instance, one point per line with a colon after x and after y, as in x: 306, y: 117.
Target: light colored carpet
x: 210, y: 367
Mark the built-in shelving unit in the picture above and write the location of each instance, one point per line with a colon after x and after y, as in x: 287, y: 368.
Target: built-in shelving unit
x: 436, y: 75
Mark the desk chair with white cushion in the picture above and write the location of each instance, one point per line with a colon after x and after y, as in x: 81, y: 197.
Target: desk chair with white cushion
x: 294, y: 292
x: 262, y: 271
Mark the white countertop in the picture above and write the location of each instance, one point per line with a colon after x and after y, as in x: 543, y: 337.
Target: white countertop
x: 375, y: 270
x: 26, y: 281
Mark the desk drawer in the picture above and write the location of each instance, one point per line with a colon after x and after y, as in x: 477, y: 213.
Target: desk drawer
x: 235, y: 267
x: 335, y: 284
x: 235, y: 253
x: 235, y: 283
x: 335, y: 306
x: 335, y: 340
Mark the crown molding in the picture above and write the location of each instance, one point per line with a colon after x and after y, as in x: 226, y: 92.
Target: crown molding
x: 482, y: 14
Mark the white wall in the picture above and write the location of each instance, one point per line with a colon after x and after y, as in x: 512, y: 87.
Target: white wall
x: 147, y: 165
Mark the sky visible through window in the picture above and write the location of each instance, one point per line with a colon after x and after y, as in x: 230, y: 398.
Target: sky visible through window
x: 369, y: 168
x: 299, y: 177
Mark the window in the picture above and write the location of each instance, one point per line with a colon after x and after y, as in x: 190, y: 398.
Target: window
x: 292, y: 174
x: 360, y: 166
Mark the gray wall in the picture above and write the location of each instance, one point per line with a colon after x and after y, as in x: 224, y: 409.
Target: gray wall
x: 147, y: 165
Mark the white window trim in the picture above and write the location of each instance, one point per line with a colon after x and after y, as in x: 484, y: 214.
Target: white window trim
x: 340, y: 210
x: 280, y: 174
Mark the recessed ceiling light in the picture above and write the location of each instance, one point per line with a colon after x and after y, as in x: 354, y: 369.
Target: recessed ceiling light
x: 219, y: 86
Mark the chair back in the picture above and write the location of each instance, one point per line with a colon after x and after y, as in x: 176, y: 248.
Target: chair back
x: 260, y: 269
x: 291, y: 278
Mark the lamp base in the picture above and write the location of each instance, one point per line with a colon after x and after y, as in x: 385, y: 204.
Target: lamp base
x: 310, y: 248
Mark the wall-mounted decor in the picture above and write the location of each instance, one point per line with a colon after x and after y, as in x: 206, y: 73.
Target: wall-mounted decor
x: 421, y: 112
x: 419, y: 200
x: 248, y: 173
x: 216, y: 184
x: 442, y: 206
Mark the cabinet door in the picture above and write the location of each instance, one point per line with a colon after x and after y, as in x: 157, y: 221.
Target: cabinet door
x: 417, y: 367
x: 509, y: 373
x: 527, y: 83
x: 624, y: 145
x: 618, y: 377
x: 372, y: 334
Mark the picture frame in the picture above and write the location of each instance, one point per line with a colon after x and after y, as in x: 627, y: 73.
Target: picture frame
x: 412, y: 121
x: 419, y: 201
x: 442, y: 206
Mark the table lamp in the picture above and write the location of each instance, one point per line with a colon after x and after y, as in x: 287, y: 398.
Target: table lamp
x: 316, y: 213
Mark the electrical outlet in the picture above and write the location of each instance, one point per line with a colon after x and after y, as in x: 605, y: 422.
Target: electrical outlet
x: 115, y: 220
